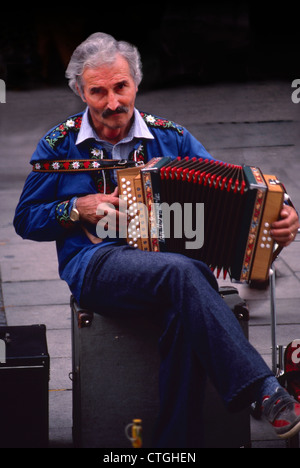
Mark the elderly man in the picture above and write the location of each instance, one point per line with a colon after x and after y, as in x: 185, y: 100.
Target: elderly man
x: 200, y: 336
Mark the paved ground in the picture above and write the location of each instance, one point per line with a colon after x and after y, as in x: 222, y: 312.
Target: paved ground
x: 253, y: 122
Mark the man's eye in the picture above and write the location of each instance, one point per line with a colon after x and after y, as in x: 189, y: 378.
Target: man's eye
x: 95, y: 91
x: 121, y: 85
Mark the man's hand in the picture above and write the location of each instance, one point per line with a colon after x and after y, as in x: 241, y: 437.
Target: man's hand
x: 285, y: 230
x: 110, y: 206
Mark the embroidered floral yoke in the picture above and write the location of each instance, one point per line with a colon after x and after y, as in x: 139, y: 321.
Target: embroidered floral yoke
x: 43, y: 210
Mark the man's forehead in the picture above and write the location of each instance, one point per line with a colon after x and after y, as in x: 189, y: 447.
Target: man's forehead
x: 114, y: 72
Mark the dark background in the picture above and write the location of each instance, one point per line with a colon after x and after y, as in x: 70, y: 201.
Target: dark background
x: 184, y: 42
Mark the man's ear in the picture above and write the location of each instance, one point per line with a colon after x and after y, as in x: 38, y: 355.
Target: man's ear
x: 80, y: 92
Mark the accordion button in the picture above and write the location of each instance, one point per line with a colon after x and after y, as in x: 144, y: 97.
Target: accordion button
x: 262, y: 246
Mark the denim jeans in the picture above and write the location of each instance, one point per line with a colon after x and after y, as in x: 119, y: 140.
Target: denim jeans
x: 200, y: 335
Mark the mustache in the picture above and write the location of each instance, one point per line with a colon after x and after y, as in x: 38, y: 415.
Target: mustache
x: 118, y: 110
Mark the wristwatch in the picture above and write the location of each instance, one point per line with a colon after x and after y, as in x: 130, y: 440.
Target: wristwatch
x: 74, y: 213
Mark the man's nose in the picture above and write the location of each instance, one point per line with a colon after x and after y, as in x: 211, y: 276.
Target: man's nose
x: 112, y: 101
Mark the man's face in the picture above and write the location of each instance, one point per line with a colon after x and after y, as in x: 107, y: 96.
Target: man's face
x: 110, y: 93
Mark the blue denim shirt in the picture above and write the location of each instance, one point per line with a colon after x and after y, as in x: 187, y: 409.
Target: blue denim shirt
x: 43, y: 211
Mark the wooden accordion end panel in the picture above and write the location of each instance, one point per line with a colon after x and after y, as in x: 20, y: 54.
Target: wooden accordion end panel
x: 265, y: 244
x: 238, y: 205
x: 131, y: 190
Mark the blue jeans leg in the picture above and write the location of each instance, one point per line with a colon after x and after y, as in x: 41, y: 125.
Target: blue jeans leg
x: 200, y: 335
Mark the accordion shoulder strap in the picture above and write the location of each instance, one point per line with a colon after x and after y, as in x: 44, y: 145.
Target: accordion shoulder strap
x: 79, y: 165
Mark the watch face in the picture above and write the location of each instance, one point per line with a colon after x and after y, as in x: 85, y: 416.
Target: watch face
x: 74, y: 215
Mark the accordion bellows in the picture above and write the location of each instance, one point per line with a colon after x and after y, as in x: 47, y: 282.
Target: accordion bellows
x: 208, y: 210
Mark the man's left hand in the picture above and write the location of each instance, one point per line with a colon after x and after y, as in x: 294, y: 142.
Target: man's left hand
x: 285, y: 230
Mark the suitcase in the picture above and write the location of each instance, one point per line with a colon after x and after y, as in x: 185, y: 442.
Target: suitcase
x: 115, y: 379
x: 24, y: 382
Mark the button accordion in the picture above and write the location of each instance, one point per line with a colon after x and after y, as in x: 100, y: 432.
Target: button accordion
x: 238, y: 203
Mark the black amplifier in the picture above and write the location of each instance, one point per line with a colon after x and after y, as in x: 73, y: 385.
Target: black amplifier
x: 24, y: 387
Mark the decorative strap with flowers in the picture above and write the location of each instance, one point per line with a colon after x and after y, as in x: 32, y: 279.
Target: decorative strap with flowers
x: 72, y: 165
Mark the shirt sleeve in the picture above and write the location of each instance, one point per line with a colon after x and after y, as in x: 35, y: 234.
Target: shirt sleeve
x: 40, y: 214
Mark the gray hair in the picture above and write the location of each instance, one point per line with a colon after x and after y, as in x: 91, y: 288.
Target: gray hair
x: 101, y: 49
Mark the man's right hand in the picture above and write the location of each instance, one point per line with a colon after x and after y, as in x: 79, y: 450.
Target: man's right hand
x: 110, y: 206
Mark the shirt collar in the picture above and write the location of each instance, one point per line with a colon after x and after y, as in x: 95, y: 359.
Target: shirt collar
x: 138, y: 129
